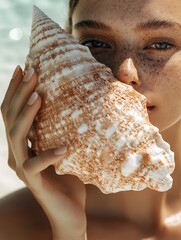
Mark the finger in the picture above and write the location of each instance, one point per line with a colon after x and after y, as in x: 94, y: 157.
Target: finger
x: 18, y: 134
x: 13, y: 86
x: 21, y: 97
x: 9, y: 119
x: 11, y: 160
x: 41, y: 162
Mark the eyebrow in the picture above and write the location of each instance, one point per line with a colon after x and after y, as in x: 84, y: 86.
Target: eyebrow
x: 153, y: 24
x: 157, y: 24
x: 91, y: 24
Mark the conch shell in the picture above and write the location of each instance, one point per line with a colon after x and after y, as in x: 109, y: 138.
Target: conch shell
x: 103, y: 122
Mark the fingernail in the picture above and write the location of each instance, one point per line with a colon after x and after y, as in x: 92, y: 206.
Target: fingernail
x: 33, y: 98
x: 28, y: 75
x: 60, y: 150
x: 16, y: 71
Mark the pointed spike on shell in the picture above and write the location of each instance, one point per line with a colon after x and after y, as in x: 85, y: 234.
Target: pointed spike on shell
x: 38, y: 14
x: 43, y: 31
x: 37, y: 10
x: 39, y: 17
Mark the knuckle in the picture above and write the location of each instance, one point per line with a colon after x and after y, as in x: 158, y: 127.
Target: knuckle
x: 3, y: 108
x: 8, y: 119
x: 13, y: 135
x: 20, y: 174
x: 12, y: 164
x: 9, y: 115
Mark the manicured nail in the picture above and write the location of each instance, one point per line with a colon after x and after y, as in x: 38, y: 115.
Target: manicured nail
x: 16, y: 71
x: 28, y: 75
x: 33, y: 98
x: 60, y: 150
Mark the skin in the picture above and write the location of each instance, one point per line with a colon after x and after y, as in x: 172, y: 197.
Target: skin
x: 141, y: 52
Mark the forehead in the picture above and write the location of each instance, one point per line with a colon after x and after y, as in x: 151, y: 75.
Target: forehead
x: 112, y: 11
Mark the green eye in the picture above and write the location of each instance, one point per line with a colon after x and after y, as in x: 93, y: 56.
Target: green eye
x: 161, y: 46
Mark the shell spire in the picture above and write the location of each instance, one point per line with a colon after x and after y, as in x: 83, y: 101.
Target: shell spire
x: 39, y: 16
x: 103, y: 122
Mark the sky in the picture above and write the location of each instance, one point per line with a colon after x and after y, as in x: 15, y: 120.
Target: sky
x: 15, y: 27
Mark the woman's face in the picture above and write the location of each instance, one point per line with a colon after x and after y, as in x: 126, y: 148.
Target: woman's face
x: 141, y: 42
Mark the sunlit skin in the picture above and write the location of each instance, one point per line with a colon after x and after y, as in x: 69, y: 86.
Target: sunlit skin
x: 141, y: 42
x: 146, y: 33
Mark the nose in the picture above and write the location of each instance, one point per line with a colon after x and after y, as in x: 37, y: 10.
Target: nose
x: 127, y: 73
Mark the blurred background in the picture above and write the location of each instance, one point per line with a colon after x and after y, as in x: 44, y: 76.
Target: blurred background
x: 15, y: 27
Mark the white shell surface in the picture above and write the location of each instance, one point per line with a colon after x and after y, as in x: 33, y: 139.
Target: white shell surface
x: 103, y: 122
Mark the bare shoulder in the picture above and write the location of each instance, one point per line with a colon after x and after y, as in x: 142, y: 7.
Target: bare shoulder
x: 22, y: 218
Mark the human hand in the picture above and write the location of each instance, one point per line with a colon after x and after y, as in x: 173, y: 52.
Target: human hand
x: 61, y: 197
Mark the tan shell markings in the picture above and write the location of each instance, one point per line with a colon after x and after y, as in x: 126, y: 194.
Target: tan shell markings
x: 103, y: 122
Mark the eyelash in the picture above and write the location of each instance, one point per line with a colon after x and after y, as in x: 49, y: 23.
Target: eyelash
x: 168, y: 46
x: 95, y: 42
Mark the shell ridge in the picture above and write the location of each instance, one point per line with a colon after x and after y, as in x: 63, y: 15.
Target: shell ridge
x: 103, y: 122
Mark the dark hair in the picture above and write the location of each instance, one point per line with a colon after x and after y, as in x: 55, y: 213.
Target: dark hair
x: 72, y: 5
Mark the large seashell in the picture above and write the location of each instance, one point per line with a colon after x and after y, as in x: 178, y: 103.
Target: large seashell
x: 103, y: 122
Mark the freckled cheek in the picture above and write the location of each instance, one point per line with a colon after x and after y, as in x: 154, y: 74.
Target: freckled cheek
x: 154, y: 71
x: 172, y: 81
x: 150, y: 72
x: 163, y: 78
